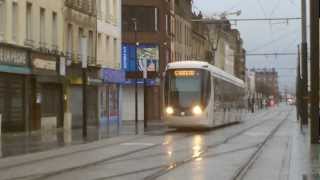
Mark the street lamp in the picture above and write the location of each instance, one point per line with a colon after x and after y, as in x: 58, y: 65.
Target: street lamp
x: 84, y: 60
x: 134, y: 21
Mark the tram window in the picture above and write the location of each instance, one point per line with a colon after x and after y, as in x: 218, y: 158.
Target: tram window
x: 206, y: 88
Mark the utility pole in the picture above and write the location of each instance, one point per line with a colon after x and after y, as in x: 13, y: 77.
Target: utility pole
x: 314, y: 49
x: 304, y: 64
x: 298, y: 88
x: 84, y: 60
x: 134, y: 21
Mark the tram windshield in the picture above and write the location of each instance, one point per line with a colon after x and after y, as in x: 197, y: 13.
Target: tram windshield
x: 186, y: 88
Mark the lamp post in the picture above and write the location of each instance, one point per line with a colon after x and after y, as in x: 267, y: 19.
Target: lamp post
x: 304, y: 64
x: 134, y: 21
x: 314, y: 55
x: 84, y: 60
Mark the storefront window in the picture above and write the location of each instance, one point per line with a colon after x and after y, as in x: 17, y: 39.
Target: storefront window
x: 113, y: 103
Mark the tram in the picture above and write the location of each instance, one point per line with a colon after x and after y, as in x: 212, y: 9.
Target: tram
x: 200, y: 95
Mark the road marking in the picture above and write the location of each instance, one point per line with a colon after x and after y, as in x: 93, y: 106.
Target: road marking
x: 137, y: 144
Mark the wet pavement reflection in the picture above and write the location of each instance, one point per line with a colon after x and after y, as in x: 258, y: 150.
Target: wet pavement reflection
x: 24, y: 143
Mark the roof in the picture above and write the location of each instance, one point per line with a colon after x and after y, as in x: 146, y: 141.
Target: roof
x: 215, y: 71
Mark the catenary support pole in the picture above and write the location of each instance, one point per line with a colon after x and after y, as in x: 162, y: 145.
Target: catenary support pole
x: 304, y: 64
x: 134, y: 21
x: 314, y: 50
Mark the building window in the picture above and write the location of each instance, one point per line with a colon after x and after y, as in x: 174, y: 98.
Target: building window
x: 2, y: 19
x: 146, y: 18
x: 54, y: 31
x: 80, y: 45
x: 115, y: 49
x: 42, y: 28
x: 99, y: 8
x: 107, y: 10
x: 90, y: 45
x: 14, y: 21
x: 108, y: 46
x: 167, y: 23
x: 156, y: 19
x: 99, y: 48
x: 29, y: 22
x: 69, y: 41
x: 114, y: 10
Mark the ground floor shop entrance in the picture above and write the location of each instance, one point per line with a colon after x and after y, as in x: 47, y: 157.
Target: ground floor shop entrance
x: 12, y: 103
x: 51, y: 103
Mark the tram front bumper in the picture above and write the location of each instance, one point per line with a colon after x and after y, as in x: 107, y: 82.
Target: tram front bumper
x: 187, y: 121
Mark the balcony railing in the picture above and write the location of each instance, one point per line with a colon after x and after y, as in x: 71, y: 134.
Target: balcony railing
x: 84, y: 6
x: 29, y: 43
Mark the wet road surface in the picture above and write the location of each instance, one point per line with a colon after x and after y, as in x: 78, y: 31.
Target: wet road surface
x: 241, y: 151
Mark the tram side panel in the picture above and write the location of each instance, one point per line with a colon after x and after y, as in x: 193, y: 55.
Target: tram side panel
x: 218, y: 103
x: 227, y: 102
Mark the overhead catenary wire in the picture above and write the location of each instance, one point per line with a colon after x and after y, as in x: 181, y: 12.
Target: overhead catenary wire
x: 281, y: 37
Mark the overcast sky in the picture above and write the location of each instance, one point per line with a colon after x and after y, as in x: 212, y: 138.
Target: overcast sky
x: 260, y: 37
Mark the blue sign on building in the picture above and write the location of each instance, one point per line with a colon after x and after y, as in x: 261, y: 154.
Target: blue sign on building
x: 135, y: 57
x: 114, y: 76
x: 129, y: 58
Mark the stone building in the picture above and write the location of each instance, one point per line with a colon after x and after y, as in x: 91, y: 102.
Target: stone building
x: 31, y: 67
x: 200, y: 43
x: 266, y: 82
x: 80, y: 32
x: 228, y: 47
x: 109, y: 58
x: 183, y: 30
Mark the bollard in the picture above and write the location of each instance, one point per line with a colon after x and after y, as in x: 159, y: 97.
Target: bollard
x: 0, y: 137
x: 0, y: 124
x: 67, y: 128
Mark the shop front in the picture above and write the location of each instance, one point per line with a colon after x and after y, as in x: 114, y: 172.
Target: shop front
x: 75, y: 95
x: 48, y: 97
x: 110, y: 97
x: 14, y: 88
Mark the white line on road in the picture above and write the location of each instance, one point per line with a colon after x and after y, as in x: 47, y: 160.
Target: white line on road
x: 136, y: 144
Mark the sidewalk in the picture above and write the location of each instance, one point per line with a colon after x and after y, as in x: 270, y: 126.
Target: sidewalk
x: 287, y: 156
x: 24, y: 143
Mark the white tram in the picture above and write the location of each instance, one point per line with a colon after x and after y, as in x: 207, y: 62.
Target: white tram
x: 200, y: 95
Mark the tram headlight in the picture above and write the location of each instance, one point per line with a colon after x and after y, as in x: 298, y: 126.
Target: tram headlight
x: 169, y: 110
x: 197, y: 110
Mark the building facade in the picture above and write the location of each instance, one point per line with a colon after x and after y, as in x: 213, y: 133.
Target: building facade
x: 109, y: 58
x: 146, y: 44
x: 266, y: 83
x: 80, y: 34
x: 183, y: 30
x: 227, y: 43
x: 31, y: 67
x: 200, y: 42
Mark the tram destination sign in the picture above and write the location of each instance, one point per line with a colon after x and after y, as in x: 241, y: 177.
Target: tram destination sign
x: 185, y: 73
x: 13, y: 56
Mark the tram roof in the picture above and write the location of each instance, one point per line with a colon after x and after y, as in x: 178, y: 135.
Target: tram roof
x: 217, y: 72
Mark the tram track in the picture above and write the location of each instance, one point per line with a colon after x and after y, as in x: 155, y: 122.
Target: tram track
x: 102, y: 161
x: 95, y: 163
x: 175, y: 151
x: 165, y: 165
x: 178, y: 164
x: 77, y: 151
x: 242, y: 171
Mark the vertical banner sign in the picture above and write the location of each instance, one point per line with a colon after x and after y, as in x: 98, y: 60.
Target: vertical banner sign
x: 84, y: 51
x: 125, y: 57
